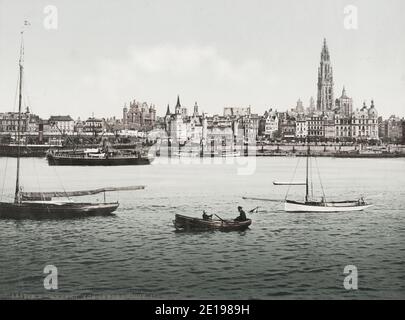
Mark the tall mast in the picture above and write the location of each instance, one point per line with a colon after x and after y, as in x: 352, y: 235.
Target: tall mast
x: 21, y: 61
x: 306, y: 180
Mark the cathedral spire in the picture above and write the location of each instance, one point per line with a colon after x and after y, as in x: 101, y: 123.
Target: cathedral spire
x: 168, y: 110
x: 325, y: 99
x: 178, y: 105
x: 325, y: 51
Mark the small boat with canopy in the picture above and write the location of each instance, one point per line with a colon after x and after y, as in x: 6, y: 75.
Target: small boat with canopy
x: 33, y: 205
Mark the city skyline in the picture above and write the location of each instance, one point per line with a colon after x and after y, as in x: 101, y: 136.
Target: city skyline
x: 102, y: 56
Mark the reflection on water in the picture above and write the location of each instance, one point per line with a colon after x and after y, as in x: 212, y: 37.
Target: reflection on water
x: 137, y: 254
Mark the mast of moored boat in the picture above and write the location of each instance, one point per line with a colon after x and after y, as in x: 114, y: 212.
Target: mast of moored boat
x: 306, y: 179
x: 17, y: 183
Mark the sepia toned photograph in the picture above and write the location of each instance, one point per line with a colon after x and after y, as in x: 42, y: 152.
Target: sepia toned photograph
x: 226, y: 150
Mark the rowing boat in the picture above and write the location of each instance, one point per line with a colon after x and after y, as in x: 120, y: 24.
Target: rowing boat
x: 185, y: 223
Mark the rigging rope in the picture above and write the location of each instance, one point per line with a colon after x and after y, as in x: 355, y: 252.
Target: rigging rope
x: 4, y: 179
x: 320, y: 180
x: 289, y: 186
x: 36, y: 175
x: 312, y: 180
x: 5, y: 167
x: 60, y: 182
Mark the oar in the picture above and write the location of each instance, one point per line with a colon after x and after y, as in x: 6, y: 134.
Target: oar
x: 220, y: 218
x: 254, y: 210
x: 261, y: 199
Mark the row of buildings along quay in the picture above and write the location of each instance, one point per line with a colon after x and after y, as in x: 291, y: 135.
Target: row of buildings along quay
x: 332, y: 118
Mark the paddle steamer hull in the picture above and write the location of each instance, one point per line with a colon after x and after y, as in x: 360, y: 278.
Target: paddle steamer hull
x: 85, y: 161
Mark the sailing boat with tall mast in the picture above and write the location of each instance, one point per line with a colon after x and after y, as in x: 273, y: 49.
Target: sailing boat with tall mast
x: 42, y: 204
x: 312, y: 205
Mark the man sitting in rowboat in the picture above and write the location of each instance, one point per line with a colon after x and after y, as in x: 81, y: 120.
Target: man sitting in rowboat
x: 206, y: 216
x: 242, y: 215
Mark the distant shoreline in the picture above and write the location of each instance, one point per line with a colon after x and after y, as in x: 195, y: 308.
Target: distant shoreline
x: 331, y: 150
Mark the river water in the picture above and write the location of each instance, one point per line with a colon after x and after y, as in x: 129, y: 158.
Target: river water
x: 137, y: 254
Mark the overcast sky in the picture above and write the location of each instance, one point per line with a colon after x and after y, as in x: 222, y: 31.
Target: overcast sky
x: 220, y: 53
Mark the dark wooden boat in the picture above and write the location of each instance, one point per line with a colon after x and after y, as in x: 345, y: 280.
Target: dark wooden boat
x: 41, y: 205
x: 102, y: 156
x: 26, y: 151
x: 52, y: 210
x: 368, y: 155
x: 88, y: 160
x: 185, y: 223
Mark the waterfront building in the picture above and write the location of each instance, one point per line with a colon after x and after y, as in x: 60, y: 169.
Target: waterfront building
x: 139, y: 116
x: 33, y: 123
x: 394, y: 129
x: 9, y: 122
x: 343, y: 127
x: 221, y: 133
x: 403, y: 131
x: 250, y: 127
x: 79, y: 125
x: 44, y: 128
x: 182, y: 128
x: 287, y: 128
x: 235, y: 125
x: 325, y: 99
x: 382, y: 129
x: 271, y: 124
x: 112, y: 124
x: 178, y: 129
x: 197, y: 127
x: 61, y: 125
x: 329, y: 126
x: 316, y: 127
x: 365, y: 123
x: 301, y: 130
x: 176, y: 125
x: 93, y: 125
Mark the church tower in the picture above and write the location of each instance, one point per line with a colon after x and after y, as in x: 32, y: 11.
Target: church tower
x: 167, y: 120
x: 178, y: 106
x: 325, y: 101
x: 195, y: 112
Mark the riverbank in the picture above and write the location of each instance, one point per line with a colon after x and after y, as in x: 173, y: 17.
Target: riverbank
x: 285, y: 150
x: 269, y: 150
x: 39, y: 151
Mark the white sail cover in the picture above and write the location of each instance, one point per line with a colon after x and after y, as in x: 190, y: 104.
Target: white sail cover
x: 293, y: 183
x: 67, y: 194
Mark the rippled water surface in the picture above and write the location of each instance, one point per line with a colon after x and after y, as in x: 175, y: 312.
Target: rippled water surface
x: 137, y: 254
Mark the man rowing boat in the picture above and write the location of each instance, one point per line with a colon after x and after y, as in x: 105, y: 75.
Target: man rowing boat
x: 242, y: 215
x: 206, y: 216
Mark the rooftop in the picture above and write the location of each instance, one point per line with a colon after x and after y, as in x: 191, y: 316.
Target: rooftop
x: 60, y: 118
